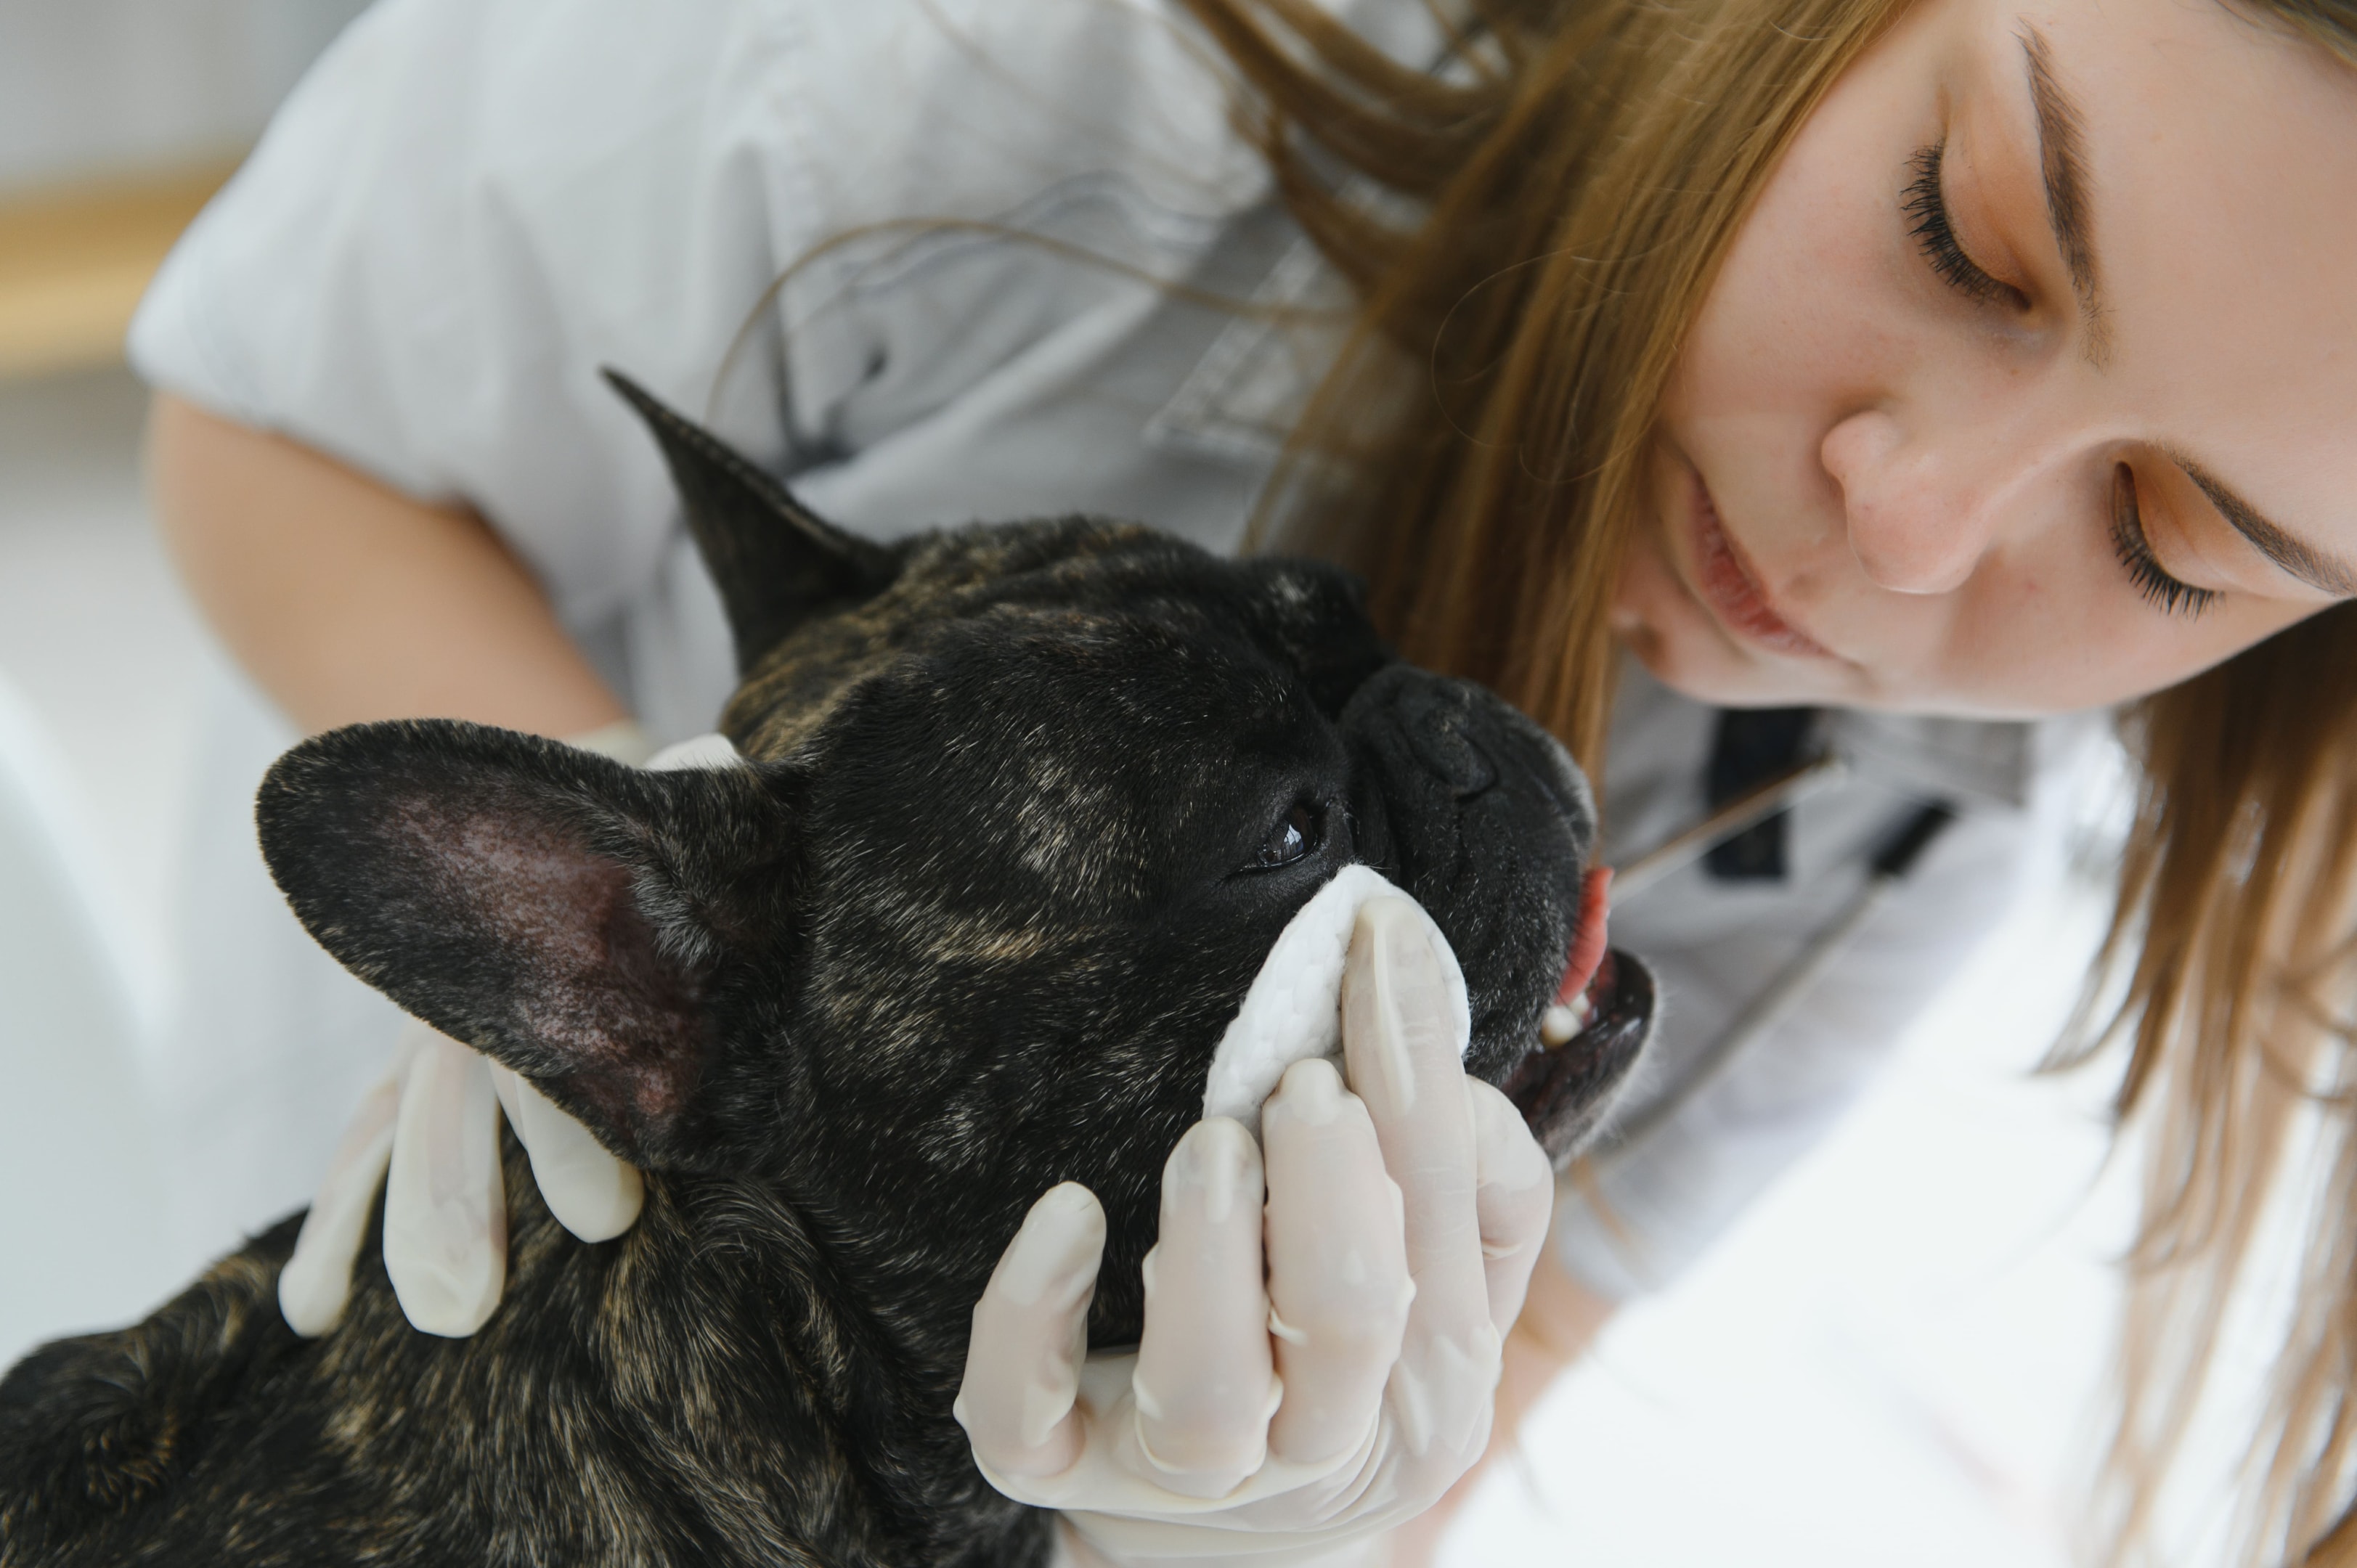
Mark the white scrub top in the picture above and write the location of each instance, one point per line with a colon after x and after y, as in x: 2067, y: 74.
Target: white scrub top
x: 470, y: 206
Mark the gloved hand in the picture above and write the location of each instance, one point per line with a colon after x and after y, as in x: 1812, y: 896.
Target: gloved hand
x: 430, y: 1132
x: 1280, y: 1413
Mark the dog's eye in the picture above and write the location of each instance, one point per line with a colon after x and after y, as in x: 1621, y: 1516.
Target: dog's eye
x: 1295, y: 835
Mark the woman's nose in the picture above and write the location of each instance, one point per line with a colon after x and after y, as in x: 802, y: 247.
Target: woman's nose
x: 1919, y: 514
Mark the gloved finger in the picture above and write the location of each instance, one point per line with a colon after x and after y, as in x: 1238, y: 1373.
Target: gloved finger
x: 1514, y: 1198
x: 1205, y: 1384
x: 593, y: 1193
x: 1338, y: 1281
x: 317, y: 1282
x: 446, y: 1217
x: 1030, y: 1335
x: 1399, y: 1039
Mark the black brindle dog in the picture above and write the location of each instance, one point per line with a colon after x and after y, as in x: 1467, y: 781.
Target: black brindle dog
x: 1026, y: 808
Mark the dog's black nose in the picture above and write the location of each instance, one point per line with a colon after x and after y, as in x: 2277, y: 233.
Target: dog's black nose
x: 1438, y: 721
x: 1453, y: 739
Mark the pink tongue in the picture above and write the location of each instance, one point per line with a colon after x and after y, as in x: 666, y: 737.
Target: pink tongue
x: 1588, y: 938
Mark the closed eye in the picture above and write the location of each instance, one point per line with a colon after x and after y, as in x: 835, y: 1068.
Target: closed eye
x: 2134, y: 548
x: 1926, y: 206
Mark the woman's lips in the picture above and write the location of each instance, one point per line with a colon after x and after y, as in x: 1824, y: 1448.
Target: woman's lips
x: 1731, y: 592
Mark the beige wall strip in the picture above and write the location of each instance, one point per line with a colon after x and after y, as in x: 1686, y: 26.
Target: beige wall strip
x: 73, y: 264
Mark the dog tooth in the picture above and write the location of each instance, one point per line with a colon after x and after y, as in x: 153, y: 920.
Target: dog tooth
x: 1559, y: 1024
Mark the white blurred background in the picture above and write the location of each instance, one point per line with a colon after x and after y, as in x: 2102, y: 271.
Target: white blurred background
x: 95, y: 89
x: 1892, y: 1360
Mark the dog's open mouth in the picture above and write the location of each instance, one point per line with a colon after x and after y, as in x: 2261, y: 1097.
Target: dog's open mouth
x: 1598, y: 1021
x: 1563, y: 1082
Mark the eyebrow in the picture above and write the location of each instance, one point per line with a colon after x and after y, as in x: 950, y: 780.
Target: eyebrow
x: 2062, y: 166
x: 2310, y: 565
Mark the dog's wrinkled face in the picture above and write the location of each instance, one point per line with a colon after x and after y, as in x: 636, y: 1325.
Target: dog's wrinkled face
x: 1024, y: 810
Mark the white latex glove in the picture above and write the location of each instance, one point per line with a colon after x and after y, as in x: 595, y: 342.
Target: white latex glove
x: 1323, y: 1319
x: 430, y: 1133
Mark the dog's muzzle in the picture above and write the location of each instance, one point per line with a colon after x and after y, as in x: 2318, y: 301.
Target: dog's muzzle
x: 1484, y: 820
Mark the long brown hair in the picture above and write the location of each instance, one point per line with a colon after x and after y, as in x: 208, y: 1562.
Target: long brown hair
x: 1575, y: 173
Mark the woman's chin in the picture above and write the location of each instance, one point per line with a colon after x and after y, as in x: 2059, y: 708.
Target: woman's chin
x: 1720, y: 676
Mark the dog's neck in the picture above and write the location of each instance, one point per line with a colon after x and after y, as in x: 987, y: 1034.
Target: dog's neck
x: 741, y: 1352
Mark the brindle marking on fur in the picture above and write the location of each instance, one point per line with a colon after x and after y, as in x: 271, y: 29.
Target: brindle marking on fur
x: 790, y: 692
x: 424, y: 1451
x: 968, y: 923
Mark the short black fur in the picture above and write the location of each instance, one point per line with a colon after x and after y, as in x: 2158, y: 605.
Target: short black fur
x: 968, y: 923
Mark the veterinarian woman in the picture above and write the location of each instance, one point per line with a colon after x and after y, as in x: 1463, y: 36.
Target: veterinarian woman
x: 1669, y: 365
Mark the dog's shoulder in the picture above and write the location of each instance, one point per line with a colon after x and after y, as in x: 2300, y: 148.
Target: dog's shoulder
x: 95, y: 1429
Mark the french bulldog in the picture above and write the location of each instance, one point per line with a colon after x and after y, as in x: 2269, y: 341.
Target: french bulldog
x: 1023, y: 809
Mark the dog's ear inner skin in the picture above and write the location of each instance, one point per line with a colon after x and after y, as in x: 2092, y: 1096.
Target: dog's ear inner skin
x: 776, y: 563
x: 578, y: 920
x: 1023, y: 809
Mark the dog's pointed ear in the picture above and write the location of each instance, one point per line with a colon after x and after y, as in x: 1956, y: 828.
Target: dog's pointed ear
x: 774, y: 560
x: 586, y: 923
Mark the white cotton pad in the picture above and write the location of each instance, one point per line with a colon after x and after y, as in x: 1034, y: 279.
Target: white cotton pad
x: 1293, y: 1010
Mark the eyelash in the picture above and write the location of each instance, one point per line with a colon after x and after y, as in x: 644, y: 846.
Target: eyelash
x: 1926, y: 206
x: 2134, y: 551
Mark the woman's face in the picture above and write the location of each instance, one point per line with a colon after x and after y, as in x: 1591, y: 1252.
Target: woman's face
x: 2031, y: 383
